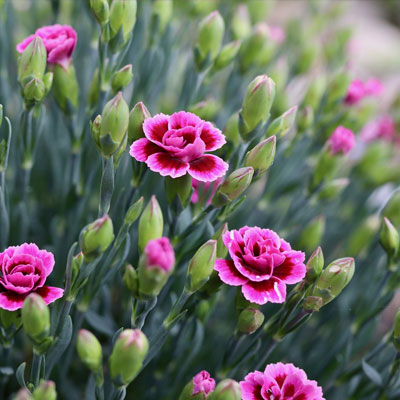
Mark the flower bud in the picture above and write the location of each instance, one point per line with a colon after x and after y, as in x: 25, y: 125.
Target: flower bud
x: 45, y: 391
x: 231, y: 129
x: 235, y: 184
x: 121, y: 78
x: 48, y: 81
x: 337, y: 88
x: 209, y: 37
x: 151, y: 223
x: 34, y: 90
x: 315, y: 91
x: 227, y: 389
x: 136, y: 118
x: 161, y: 13
x: 36, y: 317
x: 222, y: 251
x: 396, y: 331
x: 155, y: 266
x: 130, y: 279
x: 332, y: 189
x: 134, y: 211
x: 257, y: 103
x: 389, y: 238
x: 241, y: 24
x: 206, y: 109
x: 312, y: 303
x: 114, y: 124
x: 122, y: 21
x: 261, y: 157
x: 325, y: 168
x: 95, y: 130
x: 101, y: 11
x: 250, y: 319
x: 200, y: 387
x: 305, y: 119
x: 23, y: 394
x: 128, y: 354
x: 312, y: 234
x: 96, y: 237
x: 201, y: 266
x: 227, y: 55
x: 253, y: 47
x: 65, y: 88
x: 89, y: 350
x: 334, y: 279
x: 32, y: 62
x: 314, y: 265
x: 283, y: 124
x: 306, y: 57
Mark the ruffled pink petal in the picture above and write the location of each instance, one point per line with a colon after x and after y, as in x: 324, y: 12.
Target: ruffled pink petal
x: 20, y: 283
x: 25, y: 43
x: 251, y: 273
x: 182, y: 119
x: 272, y: 290
x: 141, y: 149
x: 228, y: 273
x: 6, y: 254
x: 166, y: 165
x: 252, y: 385
x: 46, y: 257
x: 11, y: 301
x: 154, y: 128
x: 290, y: 272
x: 212, y: 137
x: 50, y: 293
x: 208, y: 168
x: 191, y: 151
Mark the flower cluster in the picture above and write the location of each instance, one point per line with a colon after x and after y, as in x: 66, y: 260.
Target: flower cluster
x: 359, y: 90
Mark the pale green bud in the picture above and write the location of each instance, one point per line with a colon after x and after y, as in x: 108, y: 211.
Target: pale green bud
x: 231, y: 129
x: 254, y: 47
x: 227, y: 55
x: 130, y: 279
x: 227, y: 389
x: 206, y: 109
x: 314, y: 265
x: 312, y: 233
x: 151, y: 223
x: 389, y: 237
x: 34, y: 90
x: 250, y: 319
x: 65, y: 88
x: 283, y: 124
x: 89, y: 350
x: 315, y: 91
x: 241, y: 24
x: 222, y: 251
x: 48, y: 81
x: 257, y: 103
x: 162, y: 12
x: 128, y: 354
x: 337, y: 87
x: 36, y: 317
x: 122, y: 20
x: 235, y: 184
x: 96, y: 237
x: 136, y: 118
x: 45, y: 391
x: 305, y: 119
x: 134, y: 211
x: 201, y: 266
x: 312, y: 303
x: 121, y: 78
x: 259, y: 9
x: 332, y: 189
x: 32, y: 62
x: 101, y: 10
x: 261, y: 157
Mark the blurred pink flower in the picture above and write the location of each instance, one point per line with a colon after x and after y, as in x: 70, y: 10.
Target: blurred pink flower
x: 342, y: 140
x: 159, y: 253
x: 380, y: 128
x: 204, y: 190
x: 276, y: 34
x: 203, y: 383
x: 373, y: 87
x: 59, y: 41
x: 175, y: 145
x: 24, y: 270
x: 262, y: 263
x: 280, y: 381
x: 358, y: 90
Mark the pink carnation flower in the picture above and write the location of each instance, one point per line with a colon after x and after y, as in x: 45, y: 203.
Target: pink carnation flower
x: 262, y: 263
x: 355, y: 92
x: 159, y: 253
x: 280, y: 382
x: 204, y: 190
x: 342, y: 140
x: 59, y: 41
x: 381, y: 128
x: 175, y: 145
x: 24, y: 271
x: 203, y: 383
x: 373, y: 87
x: 276, y: 34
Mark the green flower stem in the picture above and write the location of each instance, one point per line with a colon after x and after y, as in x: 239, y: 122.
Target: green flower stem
x: 66, y: 308
x: 119, y: 394
x: 35, y: 368
x: 176, y: 309
x: 107, y: 185
x: 138, y: 320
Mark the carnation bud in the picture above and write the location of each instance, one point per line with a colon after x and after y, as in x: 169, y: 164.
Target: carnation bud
x: 96, y: 237
x: 306, y: 57
x: 235, y: 184
x: 32, y: 62
x: 48, y: 81
x: 253, y: 47
x: 312, y: 303
x: 155, y: 266
x: 337, y: 88
x: 89, y: 350
x: 130, y: 279
x: 334, y: 279
x: 114, y: 124
x: 389, y: 238
x: 206, y: 109
x: 227, y: 55
x: 23, y: 394
x: 231, y: 129
x: 227, y: 389
x: 65, y: 88
x: 34, y: 90
x: 305, y: 119
x: 151, y: 223
x: 209, y: 37
x: 283, y: 124
x: 122, y: 21
x: 101, y: 11
x: 222, y: 251
x: 312, y: 233
x: 178, y: 188
x: 36, y: 317
x: 128, y: 354
x: 314, y: 93
x: 200, y: 387
x: 314, y: 265
x: 45, y: 391
x: 136, y: 118
x: 241, y: 24
x: 332, y: 189
x: 161, y: 12
x: 201, y: 266
x: 121, y: 78
x: 257, y: 103
x: 396, y: 331
x: 261, y: 157
x: 134, y: 211
x: 324, y: 169
x: 250, y: 319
